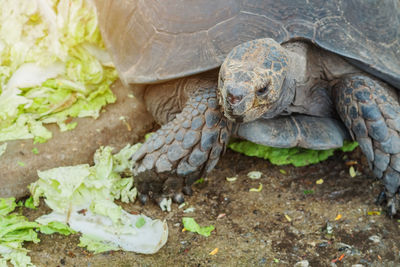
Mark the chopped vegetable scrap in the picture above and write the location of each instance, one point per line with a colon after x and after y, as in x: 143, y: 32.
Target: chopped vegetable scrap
x: 214, y: 251
x: 188, y: 210
x: 339, y: 258
x: 254, y: 175
x: 352, y: 172
x: 35, y: 151
x: 191, y: 225
x: 221, y: 215
x: 256, y: 189
x: 308, y: 192
x: 200, y: 181
x: 231, y: 179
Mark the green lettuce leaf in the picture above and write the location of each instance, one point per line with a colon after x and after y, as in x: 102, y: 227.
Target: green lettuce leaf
x: 95, y: 244
x: 7, y: 205
x: 56, y: 227
x: 282, y: 156
x: 14, y: 230
x: 191, y: 225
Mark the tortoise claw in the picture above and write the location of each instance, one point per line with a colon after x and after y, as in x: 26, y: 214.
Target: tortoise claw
x: 391, y: 203
x: 381, y: 198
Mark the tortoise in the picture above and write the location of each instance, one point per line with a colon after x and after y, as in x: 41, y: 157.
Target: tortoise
x: 283, y: 73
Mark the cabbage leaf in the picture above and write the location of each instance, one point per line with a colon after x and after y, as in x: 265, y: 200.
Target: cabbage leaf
x: 53, y: 66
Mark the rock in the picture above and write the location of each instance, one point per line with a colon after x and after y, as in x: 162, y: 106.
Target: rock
x: 303, y: 263
x: 76, y: 146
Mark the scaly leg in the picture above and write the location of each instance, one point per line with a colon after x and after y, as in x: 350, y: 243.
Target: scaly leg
x: 370, y: 109
x: 183, y: 149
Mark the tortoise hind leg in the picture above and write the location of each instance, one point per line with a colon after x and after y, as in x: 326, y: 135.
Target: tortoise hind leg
x: 371, y: 111
x: 183, y: 149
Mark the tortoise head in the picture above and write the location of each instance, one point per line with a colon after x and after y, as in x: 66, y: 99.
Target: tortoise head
x: 252, y: 81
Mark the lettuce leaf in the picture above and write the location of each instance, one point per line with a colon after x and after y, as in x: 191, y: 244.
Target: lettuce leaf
x: 191, y: 225
x: 53, y: 66
x: 83, y: 196
x: 282, y: 156
x: 14, y: 230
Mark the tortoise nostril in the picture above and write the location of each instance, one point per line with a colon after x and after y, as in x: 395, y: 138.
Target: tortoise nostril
x: 234, y: 99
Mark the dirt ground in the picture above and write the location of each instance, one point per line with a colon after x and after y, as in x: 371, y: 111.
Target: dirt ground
x: 291, y: 219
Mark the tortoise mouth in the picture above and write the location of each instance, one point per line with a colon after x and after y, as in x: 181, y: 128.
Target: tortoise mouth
x: 250, y: 113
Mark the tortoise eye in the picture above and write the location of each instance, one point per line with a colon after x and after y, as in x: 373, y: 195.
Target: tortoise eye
x: 262, y: 91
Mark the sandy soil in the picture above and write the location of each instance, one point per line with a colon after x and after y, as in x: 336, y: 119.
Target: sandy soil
x: 292, y: 219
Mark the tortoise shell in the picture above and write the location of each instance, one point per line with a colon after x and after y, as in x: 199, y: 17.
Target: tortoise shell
x: 153, y: 41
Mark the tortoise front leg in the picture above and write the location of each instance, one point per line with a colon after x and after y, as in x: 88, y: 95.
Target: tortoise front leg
x: 183, y: 149
x: 371, y: 111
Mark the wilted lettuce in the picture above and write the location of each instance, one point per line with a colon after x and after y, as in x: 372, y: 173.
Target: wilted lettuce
x: 53, y: 66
